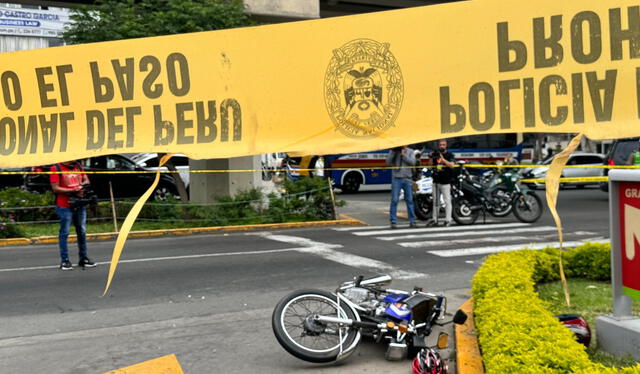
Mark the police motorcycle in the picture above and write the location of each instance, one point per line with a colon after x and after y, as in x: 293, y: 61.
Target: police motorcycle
x: 498, y: 193
x: 423, y: 196
x: 319, y: 326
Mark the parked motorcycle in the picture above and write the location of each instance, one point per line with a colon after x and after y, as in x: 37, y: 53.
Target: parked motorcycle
x: 498, y: 194
x: 423, y: 196
x: 320, y: 326
x: 423, y: 192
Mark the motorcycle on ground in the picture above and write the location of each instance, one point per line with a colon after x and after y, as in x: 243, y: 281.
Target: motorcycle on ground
x: 498, y: 194
x: 320, y: 326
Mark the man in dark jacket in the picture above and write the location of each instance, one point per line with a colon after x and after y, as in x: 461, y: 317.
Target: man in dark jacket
x: 404, y: 161
x: 443, y: 162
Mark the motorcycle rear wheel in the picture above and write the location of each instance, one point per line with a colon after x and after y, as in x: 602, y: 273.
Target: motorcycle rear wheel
x: 307, y: 340
x: 507, y: 207
x: 528, y: 207
x: 462, y: 212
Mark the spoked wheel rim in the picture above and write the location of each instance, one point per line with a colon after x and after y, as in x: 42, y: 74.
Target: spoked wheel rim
x: 297, y: 311
x: 528, y: 207
x: 463, y: 209
x: 162, y: 193
x: 503, y: 202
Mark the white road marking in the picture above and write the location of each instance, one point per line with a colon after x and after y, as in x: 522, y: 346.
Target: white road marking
x: 512, y: 247
x: 356, y: 228
x: 297, y: 240
x: 326, y: 251
x: 491, y: 239
x: 468, y: 233
x: 168, y: 258
x: 435, y: 229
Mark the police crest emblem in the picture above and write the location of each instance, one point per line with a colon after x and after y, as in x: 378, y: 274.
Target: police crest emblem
x: 363, y: 88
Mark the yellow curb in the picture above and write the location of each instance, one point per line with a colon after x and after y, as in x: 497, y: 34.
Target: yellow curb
x: 15, y: 241
x: 349, y: 218
x: 163, y: 365
x: 345, y: 221
x: 468, y: 357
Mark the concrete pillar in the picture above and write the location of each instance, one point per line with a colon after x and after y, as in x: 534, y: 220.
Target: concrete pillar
x: 204, y: 187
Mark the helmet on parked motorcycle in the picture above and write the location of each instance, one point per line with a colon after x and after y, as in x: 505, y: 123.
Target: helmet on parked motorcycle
x: 428, y: 361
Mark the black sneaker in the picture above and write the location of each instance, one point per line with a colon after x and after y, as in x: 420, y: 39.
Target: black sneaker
x: 66, y: 265
x: 393, y: 226
x: 86, y: 263
x: 413, y: 225
x: 432, y: 223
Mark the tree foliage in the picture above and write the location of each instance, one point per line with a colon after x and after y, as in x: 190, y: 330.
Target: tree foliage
x: 126, y: 19
x: 117, y: 19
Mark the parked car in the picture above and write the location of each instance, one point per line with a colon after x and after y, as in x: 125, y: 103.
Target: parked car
x: 150, y: 161
x: 618, y: 155
x: 11, y: 180
x: 578, y: 158
x: 124, y: 185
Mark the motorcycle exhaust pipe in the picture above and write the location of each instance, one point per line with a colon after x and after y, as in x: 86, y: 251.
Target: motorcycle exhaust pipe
x: 347, y: 322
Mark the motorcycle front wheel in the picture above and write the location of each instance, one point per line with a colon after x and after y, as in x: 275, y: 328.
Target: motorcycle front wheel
x: 462, y: 212
x: 299, y: 334
x: 528, y: 207
x: 423, y: 206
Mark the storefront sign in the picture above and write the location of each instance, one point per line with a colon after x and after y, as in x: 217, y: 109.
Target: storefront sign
x: 629, y: 210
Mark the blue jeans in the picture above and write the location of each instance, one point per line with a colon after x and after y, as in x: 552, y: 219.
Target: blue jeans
x: 79, y: 218
x: 398, y: 184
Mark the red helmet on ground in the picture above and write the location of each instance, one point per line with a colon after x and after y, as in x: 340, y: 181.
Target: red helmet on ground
x: 428, y: 361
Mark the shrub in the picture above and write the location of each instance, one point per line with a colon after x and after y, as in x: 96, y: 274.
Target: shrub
x: 9, y: 229
x: 591, y: 261
x: 517, y: 333
x: 14, y: 200
x: 306, y: 199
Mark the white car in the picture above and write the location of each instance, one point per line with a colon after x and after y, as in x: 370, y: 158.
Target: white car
x: 150, y: 161
x: 586, y: 159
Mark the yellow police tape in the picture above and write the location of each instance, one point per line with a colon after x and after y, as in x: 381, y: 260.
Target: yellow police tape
x: 568, y: 180
x: 128, y: 223
x: 282, y: 170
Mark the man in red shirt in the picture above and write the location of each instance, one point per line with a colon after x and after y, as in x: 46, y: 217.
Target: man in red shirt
x: 65, y: 185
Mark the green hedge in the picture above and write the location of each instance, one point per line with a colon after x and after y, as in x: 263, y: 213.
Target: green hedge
x: 307, y: 199
x: 517, y: 334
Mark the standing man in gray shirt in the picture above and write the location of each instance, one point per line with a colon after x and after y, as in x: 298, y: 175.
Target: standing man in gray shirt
x: 403, y: 159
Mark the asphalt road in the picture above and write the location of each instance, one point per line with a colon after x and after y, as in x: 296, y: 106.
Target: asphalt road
x: 208, y: 299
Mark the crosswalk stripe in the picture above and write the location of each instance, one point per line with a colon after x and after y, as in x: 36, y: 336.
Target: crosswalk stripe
x: 468, y: 233
x: 356, y: 228
x: 490, y: 239
x: 435, y: 229
x: 511, y: 247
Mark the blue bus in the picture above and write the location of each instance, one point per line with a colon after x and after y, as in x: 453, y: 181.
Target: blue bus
x: 352, y: 171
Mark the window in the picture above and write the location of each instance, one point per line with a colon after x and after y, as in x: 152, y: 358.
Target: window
x: 584, y: 160
x: 623, y: 150
x: 593, y: 160
x: 96, y: 163
x: 118, y: 163
x: 152, y: 162
x: 179, y: 161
